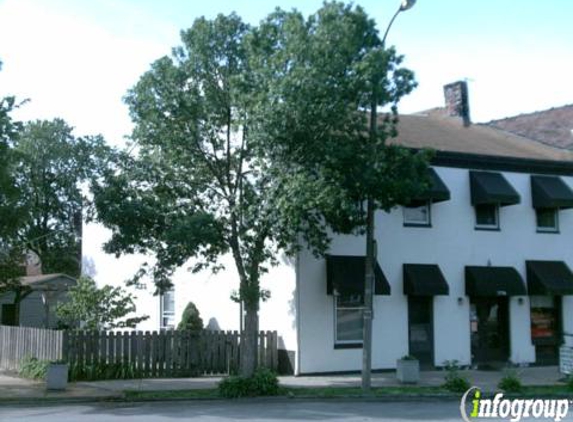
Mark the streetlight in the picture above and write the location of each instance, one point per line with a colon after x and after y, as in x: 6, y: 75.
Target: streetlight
x: 370, y: 242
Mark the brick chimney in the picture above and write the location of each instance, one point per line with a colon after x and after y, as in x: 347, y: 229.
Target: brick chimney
x: 457, y: 101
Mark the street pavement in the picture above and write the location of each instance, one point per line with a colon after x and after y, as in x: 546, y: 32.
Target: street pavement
x: 220, y: 411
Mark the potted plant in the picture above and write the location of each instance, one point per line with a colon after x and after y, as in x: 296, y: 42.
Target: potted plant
x: 57, y: 375
x: 408, y: 370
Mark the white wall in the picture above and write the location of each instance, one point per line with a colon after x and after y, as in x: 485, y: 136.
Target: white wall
x: 211, y: 294
x: 452, y: 243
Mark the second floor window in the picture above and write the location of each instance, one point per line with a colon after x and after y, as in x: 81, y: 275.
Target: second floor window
x: 547, y: 220
x: 417, y: 215
x: 487, y: 216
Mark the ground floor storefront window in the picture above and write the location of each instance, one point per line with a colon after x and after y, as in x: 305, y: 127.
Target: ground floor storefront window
x: 349, y: 320
x: 546, y: 328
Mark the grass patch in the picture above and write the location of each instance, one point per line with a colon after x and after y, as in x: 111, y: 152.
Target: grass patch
x: 322, y: 392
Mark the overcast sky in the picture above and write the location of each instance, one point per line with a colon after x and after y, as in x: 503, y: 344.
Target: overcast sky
x: 76, y: 59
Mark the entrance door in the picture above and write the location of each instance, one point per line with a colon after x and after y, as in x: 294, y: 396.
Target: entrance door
x: 490, y: 330
x: 421, y: 335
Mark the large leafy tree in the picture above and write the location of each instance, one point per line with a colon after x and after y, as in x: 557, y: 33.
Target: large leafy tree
x: 191, y: 187
x: 49, y: 169
x: 10, y: 254
x: 219, y: 162
x: 316, y: 80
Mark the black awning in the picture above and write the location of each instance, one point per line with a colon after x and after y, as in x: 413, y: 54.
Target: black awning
x: 493, y: 281
x: 491, y: 188
x: 346, y: 274
x: 549, y: 278
x: 550, y: 192
x: 437, y: 192
x: 424, y: 280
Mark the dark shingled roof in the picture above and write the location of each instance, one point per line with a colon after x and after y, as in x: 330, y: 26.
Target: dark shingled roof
x: 552, y: 127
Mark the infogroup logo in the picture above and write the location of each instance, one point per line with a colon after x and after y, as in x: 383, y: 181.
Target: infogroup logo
x: 511, y: 409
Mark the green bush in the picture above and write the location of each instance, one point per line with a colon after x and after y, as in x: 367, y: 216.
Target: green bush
x: 263, y: 383
x: 191, y: 320
x: 102, y: 370
x: 453, y: 380
x: 569, y: 382
x: 235, y: 387
x: 33, y: 368
x: 510, y: 382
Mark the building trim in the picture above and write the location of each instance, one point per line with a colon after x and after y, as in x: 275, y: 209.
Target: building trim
x: 499, y: 163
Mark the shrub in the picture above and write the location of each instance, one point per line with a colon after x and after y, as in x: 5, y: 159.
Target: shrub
x: 191, y: 320
x: 235, y: 387
x: 33, y: 368
x: 569, y: 382
x: 454, y: 381
x: 408, y: 357
x: 263, y: 383
x: 510, y: 382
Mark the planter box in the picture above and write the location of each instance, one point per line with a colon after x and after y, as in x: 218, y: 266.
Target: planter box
x: 57, y: 376
x: 408, y: 371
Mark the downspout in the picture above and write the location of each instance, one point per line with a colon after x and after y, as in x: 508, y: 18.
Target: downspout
x: 297, y: 313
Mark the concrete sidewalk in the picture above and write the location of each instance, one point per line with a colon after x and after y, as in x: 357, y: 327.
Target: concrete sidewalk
x: 13, y: 388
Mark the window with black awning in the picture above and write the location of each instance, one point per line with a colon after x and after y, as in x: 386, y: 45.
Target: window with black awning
x: 550, y: 192
x: 424, y: 280
x: 491, y: 188
x: 549, y: 278
x: 493, y: 281
x: 346, y: 274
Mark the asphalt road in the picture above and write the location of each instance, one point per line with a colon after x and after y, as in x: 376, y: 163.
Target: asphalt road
x: 290, y: 410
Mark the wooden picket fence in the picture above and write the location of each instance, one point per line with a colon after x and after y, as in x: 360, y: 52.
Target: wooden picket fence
x: 165, y: 353
x: 18, y: 342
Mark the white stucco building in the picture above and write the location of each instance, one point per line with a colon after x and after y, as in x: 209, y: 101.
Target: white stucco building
x: 478, y: 270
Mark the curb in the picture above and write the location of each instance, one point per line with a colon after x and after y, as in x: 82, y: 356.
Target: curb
x: 406, y: 398
x: 47, y: 401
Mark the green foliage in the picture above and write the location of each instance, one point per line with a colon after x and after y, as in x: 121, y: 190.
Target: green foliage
x: 510, y: 382
x: 263, y: 383
x: 102, y: 370
x: 569, y: 382
x: 33, y: 368
x: 191, y: 320
x: 453, y: 380
x: 98, y: 308
x: 50, y: 164
x: 409, y: 357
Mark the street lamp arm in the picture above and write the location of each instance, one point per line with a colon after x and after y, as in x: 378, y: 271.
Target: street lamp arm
x: 390, y: 26
x: 406, y: 5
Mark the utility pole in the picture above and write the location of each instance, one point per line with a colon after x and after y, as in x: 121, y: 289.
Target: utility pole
x: 370, y: 242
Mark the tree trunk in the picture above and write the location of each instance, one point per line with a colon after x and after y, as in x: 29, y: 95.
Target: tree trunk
x: 249, y: 341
